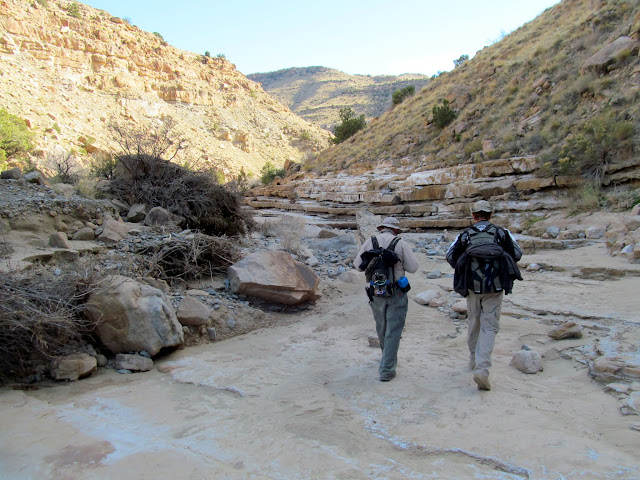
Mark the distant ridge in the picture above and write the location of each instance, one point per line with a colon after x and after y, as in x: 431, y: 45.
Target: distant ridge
x: 317, y: 93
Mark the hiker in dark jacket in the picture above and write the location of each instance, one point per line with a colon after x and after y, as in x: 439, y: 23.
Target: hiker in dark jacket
x: 484, y: 257
x: 389, y: 312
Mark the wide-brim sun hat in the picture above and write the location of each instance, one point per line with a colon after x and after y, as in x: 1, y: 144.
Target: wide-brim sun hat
x: 390, y: 222
x: 482, y: 206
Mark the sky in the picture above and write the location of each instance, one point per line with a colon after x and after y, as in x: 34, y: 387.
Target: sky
x: 371, y: 37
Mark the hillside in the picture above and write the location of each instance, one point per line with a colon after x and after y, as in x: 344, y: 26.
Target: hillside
x: 542, y: 119
x: 318, y: 93
x: 70, y: 74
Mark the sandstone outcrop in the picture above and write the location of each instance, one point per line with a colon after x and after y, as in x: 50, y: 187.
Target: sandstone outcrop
x: 69, y: 77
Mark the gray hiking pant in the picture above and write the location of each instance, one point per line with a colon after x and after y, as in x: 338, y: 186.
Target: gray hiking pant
x: 390, y: 314
x: 483, y: 326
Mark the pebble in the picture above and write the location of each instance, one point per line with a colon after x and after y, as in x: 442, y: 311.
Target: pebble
x: 231, y: 322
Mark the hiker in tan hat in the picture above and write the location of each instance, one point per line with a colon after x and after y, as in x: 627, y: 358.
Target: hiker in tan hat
x: 385, y: 258
x: 484, y: 257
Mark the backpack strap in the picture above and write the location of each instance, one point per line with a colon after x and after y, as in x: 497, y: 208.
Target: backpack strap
x: 393, y: 243
x: 375, y: 243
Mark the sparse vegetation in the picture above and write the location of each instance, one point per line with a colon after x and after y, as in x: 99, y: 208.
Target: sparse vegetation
x: 66, y: 167
x: 15, y: 137
x: 289, y: 232
x: 43, y: 3
x: 40, y: 314
x: 400, y: 95
x: 269, y: 171
x: 159, y: 36
x: 145, y: 174
x: 349, y: 126
x: 103, y: 165
x: 443, y: 115
x: 73, y: 9
x: 207, y: 54
x: 460, y: 60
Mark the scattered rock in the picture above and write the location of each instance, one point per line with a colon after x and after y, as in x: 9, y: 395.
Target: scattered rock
x: 73, y: 367
x: 613, y: 369
x: 632, y: 405
x: 59, y: 240
x: 568, y: 330
x: 211, y: 332
x: 133, y: 362
x: 160, y: 217
x: 84, y: 234
x: 374, y: 341
x: 426, y: 297
x: 192, y: 312
x: 527, y: 361
x: 11, y: 174
x: 137, y: 213
x: 434, y: 274
x: 460, y: 306
x: 34, y: 177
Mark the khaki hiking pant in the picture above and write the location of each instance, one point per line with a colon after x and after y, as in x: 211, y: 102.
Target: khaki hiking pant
x: 390, y: 314
x: 483, y: 326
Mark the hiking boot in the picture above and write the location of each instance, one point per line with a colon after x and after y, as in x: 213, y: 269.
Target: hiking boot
x: 482, y: 381
x: 386, y: 378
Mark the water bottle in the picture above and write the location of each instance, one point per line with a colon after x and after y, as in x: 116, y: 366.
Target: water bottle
x: 403, y: 284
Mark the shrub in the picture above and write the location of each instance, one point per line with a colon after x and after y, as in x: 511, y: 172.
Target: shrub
x: 592, y: 148
x: 159, y: 36
x: 158, y: 140
x: 587, y: 198
x: 207, y: 53
x: 442, y: 114
x: 43, y: 3
x: 460, y: 61
x: 350, y: 124
x: 15, y: 137
x: 66, y: 167
x: 40, y: 313
x: 289, y: 230
x: 400, y: 95
x: 103, y: 165
x: 268, y: 172
x: 73, y: 9
x: 195, y: 195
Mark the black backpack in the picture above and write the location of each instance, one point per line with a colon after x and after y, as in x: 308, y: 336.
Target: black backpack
x: 378, y: 268
x: 484, y: 253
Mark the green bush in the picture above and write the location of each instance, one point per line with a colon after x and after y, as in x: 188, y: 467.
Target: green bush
x: 15, y: 137
x: 157, y: 34
x: 442, y: 114
x: 594, y: 146
x: 460, y: 61
x: 350, y: 124
x: 400, y: 95
x: 73, y: 9
x: 268, y: 172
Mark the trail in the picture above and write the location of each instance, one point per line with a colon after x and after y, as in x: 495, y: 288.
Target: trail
x: 303, y: 401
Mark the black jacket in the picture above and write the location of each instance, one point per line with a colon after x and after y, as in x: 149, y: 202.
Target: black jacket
x: 458, y: 259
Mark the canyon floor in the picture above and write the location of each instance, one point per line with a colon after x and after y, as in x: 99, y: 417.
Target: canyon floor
x: 302, y: 400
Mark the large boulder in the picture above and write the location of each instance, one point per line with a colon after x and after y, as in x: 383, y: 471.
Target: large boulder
x: 609, y: 55
x: 133, y: 316
x: 274, y: 276
x: 113, y: 231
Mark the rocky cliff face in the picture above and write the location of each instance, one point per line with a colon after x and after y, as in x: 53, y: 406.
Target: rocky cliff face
x: 549, y: 112
x: 318, y: 93
x: 69, y: 77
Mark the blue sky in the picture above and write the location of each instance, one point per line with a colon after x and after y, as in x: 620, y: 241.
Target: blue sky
x: 371, y: 37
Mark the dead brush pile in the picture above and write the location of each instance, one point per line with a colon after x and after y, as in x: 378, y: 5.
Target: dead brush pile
x: 190, y: 193
x: 41, y: 316
x: 190, y: 256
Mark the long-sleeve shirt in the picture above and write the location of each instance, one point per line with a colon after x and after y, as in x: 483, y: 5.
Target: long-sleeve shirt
x: 407, y: 261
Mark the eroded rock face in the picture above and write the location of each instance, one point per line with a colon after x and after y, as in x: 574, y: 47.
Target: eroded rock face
x: 274, y: 276
x: 617, y: 368
x: 133, y: 316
